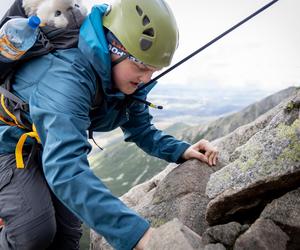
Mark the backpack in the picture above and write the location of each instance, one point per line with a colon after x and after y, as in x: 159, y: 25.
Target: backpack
x: 13, y: 110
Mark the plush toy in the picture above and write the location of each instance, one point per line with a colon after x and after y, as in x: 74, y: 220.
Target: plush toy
x: 57, y: 13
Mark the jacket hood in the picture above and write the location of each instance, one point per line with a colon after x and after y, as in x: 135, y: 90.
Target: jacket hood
x: 92, y: 43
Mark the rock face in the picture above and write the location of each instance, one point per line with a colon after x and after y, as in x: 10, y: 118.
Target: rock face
x: 181, y: 195
x: 285, y: 212
x: 226, y: 234
x: 265, y: 166
x: 250, y: 200
x: 177, y: 236
x: 263, y: 234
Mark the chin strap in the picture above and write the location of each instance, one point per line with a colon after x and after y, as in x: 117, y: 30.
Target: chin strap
x: 120, y: 59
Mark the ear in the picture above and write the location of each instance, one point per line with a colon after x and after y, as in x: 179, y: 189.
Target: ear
x: 30, y: 6
x: 44, y: 11
x: 63, y: 5
x: 78, y: 4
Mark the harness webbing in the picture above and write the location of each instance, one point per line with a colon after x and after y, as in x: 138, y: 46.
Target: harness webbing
x: 13, y: 111
x: 20, y: 145
x: 11, y: 115
x: 15, y: 122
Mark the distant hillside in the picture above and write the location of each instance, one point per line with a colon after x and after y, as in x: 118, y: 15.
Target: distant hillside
x: 195, y: 103
x: 227, y: 124
x: 122, y: 165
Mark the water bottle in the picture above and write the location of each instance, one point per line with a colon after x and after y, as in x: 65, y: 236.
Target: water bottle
x: 17, y: 36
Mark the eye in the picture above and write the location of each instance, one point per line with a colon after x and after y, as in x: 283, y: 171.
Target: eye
x: 57, y: 13
x: 77, y: 6
x: 141, y: 67
x: 137, y: 66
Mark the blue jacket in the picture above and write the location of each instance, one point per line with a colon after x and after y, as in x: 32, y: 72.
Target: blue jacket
x: 60, y: 88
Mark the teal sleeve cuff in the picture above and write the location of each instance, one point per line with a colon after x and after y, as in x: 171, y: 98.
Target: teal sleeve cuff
x: 137, y: 233
x: 178, y: 154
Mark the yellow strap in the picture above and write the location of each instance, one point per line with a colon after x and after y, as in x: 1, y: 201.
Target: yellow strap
x: 7, y: 122
x: 20, y: 144
x: 9, y: 113
x: 36, y: 135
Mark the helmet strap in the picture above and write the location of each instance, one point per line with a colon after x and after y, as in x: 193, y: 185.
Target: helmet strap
x: 120, y: 59
x: 115, y: 47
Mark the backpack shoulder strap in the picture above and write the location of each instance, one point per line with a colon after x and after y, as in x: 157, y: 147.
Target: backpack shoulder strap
x: 97, y: 103
x: 98, y: 99
x: 99, y: 95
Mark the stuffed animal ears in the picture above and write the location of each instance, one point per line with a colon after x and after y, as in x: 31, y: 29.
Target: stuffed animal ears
x: 30, y: 6
x: 62, y: 5
x: 57, y: 13
x: 75, y: 17
x: 78, y: 4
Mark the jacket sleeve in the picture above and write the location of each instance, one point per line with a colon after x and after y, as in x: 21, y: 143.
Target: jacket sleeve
x: 141, y: 131
x: 59, y: 108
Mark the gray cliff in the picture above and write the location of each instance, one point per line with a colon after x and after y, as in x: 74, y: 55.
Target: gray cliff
x: 250, y: 200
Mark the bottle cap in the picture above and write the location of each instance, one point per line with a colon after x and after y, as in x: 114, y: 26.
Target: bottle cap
x: 34, y: 22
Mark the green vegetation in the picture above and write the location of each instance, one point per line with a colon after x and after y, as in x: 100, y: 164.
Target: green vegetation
x: 85, y: 239
x: 158, y: 222
x: 292, y: 105
x: 123, y: 166
x: 292, y: 133
x: 254, y: 153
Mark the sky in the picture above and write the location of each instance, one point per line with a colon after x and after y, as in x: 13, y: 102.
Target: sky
x: 261, y: 54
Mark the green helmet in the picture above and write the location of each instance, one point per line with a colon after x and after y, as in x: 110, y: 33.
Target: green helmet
x: 146, y: 28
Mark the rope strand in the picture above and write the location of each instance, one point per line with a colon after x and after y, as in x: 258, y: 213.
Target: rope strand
x: 208, y: 44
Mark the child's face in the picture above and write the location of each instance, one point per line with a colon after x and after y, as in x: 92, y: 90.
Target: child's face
x: 128, y: 74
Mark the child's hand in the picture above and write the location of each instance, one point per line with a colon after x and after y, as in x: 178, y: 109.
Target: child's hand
x: 144, y: 240
x: 203, y: 151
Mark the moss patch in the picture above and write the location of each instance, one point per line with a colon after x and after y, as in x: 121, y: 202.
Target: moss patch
x: 256, y: 154
x: 292, y: 133
x: 250, y: 156
x: 158, y: 222
x: 292, y: 105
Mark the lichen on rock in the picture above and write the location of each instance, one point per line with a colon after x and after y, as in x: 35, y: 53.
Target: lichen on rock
x: 271, y: 152
x: 292, y: 133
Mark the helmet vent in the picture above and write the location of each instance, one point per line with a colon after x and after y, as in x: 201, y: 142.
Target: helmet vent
x: 139, y: 10
x: 145, y: 44
x: 146, y: 20
x: 149, y: 32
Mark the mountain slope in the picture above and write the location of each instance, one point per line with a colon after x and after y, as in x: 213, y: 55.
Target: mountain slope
x: 227, y: 124
x: 123, y: 165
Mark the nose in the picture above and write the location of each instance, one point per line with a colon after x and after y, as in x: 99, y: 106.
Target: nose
x: 146, y: 76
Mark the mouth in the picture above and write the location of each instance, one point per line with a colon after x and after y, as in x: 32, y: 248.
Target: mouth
x: 134, y: 84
